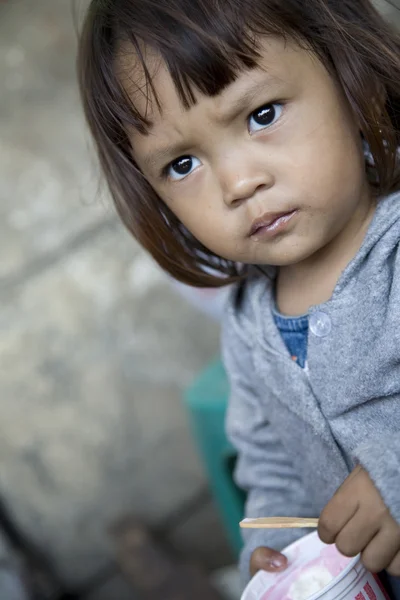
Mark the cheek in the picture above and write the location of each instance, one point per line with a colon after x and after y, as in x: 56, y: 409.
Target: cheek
x: 199, y: 216
x: 212, y: 228
x: 330, y: 168
x: 195, y: 203
x: 202, y: 225
x: 192, y: 211
x: 325, y: 145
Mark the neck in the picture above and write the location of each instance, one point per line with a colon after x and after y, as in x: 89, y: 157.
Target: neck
x: 313, y: 280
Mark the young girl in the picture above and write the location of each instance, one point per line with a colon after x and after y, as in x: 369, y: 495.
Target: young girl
x: 255, y: 141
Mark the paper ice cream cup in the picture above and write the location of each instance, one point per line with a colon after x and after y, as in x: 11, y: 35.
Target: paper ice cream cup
x: 316, y: 571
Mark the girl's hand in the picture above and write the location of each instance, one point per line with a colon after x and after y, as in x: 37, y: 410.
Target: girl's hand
x: 357, y: 520
x: 266, y: 559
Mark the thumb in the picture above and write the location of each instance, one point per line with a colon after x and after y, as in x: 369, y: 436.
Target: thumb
x: 266, y: 559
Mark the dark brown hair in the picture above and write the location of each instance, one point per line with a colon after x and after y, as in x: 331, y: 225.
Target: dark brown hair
x: 205, y: 44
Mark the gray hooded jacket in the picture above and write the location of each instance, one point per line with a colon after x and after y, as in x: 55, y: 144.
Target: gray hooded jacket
x: 299, y: 432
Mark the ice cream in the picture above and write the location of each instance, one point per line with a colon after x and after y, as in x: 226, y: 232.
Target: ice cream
x: 309, y: 582
x: 304, y: 579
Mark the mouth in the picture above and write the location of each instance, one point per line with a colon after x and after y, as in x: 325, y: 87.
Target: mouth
x: 271, y: 224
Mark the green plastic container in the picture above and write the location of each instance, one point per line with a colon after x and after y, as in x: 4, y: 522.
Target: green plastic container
x: 206, y: 401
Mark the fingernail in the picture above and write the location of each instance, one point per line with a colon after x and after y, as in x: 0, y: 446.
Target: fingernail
x: 277, y: 563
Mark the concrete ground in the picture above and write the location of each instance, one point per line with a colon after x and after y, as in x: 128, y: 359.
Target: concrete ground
x: 96, y: 346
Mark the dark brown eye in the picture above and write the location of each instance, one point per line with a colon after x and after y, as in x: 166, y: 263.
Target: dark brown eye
x: 182, y: 166
x: 264, y: 116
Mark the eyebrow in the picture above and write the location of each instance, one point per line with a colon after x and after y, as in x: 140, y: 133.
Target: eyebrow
x: 267, y: 84
x: 164, y: 154
x: 167, y: 153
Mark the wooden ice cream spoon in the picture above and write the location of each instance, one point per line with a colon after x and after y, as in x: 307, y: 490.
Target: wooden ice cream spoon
x: 278, y: 523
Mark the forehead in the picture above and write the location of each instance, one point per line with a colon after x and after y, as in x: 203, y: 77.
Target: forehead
x: 137, y: 75
x: 154, y: 94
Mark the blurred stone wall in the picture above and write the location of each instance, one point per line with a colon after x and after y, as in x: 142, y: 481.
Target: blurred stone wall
x: 96, y: 346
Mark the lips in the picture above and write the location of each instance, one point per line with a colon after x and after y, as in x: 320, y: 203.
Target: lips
x: 269, y: 220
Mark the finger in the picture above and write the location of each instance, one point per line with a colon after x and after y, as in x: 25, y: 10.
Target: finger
x: 339, y: 510
x: 335, y: 516
x: 266, y: 559
x: 394, y: 567
x: 382, y: 550
x: 356, y: 534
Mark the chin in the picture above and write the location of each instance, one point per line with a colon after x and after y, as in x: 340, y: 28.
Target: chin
x: 290, y: 258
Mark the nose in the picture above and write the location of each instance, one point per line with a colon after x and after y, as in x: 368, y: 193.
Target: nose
x: 241, y: 176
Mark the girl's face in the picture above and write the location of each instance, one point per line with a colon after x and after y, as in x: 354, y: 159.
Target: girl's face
x: 269, y: 171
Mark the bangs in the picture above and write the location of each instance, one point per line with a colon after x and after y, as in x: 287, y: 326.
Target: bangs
x: 204, y: 45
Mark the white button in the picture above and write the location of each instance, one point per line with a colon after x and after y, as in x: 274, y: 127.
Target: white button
x: 320, y: 324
